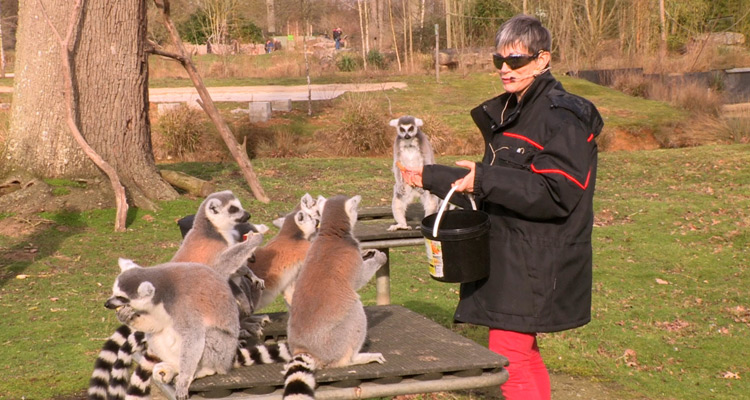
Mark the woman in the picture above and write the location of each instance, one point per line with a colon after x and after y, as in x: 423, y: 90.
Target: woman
x: 536, y: 181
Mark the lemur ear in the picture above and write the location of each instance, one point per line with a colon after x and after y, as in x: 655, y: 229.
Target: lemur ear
x: 321, y: 203
x: 146, y: 289
x: 307, y: 202
x: 353, y: 203
x: 418, y: 122
x: 213, y: 205
x: 394, y: 122
x: 126, y: 264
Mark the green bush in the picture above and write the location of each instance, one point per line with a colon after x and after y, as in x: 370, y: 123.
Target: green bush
x: 376, y: 59
x: 346, y: 63
x: 247, y: 32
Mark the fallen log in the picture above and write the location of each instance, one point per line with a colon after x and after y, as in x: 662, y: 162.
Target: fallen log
x: 188, y: 183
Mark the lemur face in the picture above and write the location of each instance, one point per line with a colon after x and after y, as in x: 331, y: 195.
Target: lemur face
x: 407, y: 126
x: 306, y: 224
x: 225, y: 211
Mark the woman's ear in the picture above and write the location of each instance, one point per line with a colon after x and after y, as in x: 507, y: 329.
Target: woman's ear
x: 543, y: 60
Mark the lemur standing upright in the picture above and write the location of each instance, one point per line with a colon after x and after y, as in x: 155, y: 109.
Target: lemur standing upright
x: 411, y: 149
x: 327, y: 323
x: 278, y: 262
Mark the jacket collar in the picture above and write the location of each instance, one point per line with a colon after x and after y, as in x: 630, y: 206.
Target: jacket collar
x: 505, y: 108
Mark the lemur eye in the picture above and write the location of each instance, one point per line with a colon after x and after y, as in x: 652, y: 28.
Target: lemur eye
x: 233, y: 209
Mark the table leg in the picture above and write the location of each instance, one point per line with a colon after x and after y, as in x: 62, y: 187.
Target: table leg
x: 383, y: 280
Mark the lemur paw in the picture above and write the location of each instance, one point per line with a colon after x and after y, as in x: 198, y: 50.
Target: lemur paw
x: 396, y: 227
x: 262, y: 228
x: 262, y: 319
x: 164, y: 373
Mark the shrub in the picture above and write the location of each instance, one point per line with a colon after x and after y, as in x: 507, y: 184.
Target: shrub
x: 376, y: 59
x: 632, y: 84
x: 181, y: 130
x: 363, y: 128
x: 346, y: 63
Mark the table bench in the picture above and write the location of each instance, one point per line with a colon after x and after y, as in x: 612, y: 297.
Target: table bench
x: 372, y: 232
x: 421, y: 357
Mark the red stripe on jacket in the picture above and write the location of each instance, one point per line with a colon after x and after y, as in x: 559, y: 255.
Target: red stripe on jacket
x: 524, y: 138
x: 563, y: 173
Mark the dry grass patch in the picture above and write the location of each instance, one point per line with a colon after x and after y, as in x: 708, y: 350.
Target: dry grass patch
x: 363, y: 128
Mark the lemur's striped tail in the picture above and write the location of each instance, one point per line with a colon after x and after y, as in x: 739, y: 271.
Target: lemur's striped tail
x: 139, y: 387
x: 118, y: 380
x: 299, y: 378
x: 262, y: 354
x: 99, y: 382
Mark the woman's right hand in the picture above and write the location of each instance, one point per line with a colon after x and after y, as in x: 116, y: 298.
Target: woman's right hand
x: 412, y: 177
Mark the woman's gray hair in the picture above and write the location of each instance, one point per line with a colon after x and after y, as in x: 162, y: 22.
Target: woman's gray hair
x: 524, y: 30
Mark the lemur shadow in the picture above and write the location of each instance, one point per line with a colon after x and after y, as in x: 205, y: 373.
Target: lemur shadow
x: 45, y: 240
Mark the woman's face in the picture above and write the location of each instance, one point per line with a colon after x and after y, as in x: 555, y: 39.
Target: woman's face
x: 517, y: 80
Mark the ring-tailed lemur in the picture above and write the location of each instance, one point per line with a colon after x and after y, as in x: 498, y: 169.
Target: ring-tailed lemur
x: 411, y: 149
x: 220, y: 223
x: 327, y: 323
x: 278, y: 262
x: 187, y: 313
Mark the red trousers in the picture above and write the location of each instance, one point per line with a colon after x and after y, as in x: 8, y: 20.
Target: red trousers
x: 528, y: 377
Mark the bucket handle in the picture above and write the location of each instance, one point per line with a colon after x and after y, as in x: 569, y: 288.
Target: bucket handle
x: 444, y: 205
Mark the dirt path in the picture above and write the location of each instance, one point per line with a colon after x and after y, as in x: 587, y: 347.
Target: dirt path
x: 262, y: 93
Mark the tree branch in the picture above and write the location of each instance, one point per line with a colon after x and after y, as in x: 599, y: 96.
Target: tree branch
x: 208, y: 105
x: 119, y: 190
x: 154, y: 49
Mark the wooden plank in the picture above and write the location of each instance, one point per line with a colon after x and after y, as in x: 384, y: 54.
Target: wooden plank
x: 414, y: 212
x: 413, y: 346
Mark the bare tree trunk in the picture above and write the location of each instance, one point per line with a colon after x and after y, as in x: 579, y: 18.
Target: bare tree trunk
x: 362, y: 36
x: 421, y: 22
x: 271, y: 16
x: 663, y: 26
x: 405, y: 34
x: 379, y: 10
x: 110, y: 87
x: 238, y: 152
x: 306, y: 12
x: 2, y: 51
x: 448, y: 25
x: 367, y: 28
x: 65, y: 44
x: 411, y: 41
x: 393, y: 34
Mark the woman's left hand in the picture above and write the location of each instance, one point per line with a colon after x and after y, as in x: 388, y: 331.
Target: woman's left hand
x: 466, y: 184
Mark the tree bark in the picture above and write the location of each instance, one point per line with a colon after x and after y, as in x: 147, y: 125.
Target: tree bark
x: 110, y: 87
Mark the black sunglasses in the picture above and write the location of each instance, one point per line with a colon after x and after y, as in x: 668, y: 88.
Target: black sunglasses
x: 514, y: 61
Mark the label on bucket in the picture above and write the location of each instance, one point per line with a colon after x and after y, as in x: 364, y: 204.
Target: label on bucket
x: 435, y: 257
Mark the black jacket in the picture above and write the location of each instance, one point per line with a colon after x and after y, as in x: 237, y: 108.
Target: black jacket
x: 536, y: 181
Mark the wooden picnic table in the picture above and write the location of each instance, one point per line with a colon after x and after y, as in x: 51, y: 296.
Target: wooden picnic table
x: 372, y: 232
x: 421, y: 356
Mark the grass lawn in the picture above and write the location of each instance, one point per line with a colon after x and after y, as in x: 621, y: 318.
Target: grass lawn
x: 671, y: 312
x: 671, y: 309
